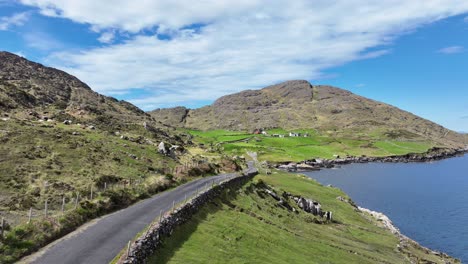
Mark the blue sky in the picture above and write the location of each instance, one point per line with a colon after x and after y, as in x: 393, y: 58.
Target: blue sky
x: 166, y: 53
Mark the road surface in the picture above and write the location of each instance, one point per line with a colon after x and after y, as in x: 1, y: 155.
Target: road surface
x: 101, y: 240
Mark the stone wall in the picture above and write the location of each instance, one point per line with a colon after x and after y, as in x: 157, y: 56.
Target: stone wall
x: 151, y: 240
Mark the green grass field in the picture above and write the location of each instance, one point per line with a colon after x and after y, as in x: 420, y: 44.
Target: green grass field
x: 316, y: 145
x: 242, y: 227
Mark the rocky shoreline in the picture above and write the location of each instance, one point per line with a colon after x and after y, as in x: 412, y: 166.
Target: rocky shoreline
x: 316, y: 164
x: 405, y: 242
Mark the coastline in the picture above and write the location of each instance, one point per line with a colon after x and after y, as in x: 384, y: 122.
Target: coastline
x: 432, y: 154
x: 404, y: 243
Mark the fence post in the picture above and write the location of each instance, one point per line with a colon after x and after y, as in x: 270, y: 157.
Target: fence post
x: 91, y: 192
x: 30, y: 215
x: 63, y: 204
x: 160, y: 216
x: 76, y: 201
x: 3, y: 227
x: 105, y: 186
x: 45, y: 209
x: 128, y: 248
x: 173, y: 206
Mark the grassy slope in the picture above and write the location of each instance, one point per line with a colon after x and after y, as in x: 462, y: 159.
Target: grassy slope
x: 34, y: 156
x: 301, y: 148
x: 242, y: 227
x: 44, y: 161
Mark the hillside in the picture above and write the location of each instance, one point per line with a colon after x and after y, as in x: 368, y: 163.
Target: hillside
x: 62, y: 145
x: 300, y: 105
x: 251, y: 225
x: 31, y: 91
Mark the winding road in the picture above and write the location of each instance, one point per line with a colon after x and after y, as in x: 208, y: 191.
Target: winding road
x: 102, y: 239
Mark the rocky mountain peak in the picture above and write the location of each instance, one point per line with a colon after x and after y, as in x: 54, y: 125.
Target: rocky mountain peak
x: 27, y: 87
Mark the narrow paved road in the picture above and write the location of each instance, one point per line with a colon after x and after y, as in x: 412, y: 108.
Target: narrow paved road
x: 101, y: 241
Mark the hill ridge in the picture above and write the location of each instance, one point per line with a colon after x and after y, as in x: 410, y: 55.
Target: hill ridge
x: 27, y: 87
x: 297, y: 104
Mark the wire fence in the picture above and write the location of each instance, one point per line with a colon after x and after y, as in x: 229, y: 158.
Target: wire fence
x: 55, y: 207
x: 52, y: 210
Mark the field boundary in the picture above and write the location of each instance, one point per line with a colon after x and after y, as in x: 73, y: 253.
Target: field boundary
x: 151, y: 240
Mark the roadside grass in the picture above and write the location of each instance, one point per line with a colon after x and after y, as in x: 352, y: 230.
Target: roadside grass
x: 243, y: 227
x: 316, y: 145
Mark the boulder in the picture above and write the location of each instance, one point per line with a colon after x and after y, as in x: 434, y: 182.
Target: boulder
x: 162, y: 148
x: 273, y: 194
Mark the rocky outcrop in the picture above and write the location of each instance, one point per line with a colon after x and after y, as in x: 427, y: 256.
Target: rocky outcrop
x: 317, y: 164
x: 306, y: 204
x: 171, y: 116
x: 151, y: 240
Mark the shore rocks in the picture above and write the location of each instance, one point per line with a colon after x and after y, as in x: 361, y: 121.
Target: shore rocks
x: 316, y: 164
x: 382, y: 218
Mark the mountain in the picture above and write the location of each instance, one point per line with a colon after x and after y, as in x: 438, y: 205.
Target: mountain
x: 300, y: 105
x: 31, y: 89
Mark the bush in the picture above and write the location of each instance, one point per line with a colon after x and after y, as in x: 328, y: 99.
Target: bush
x: 169, y: 177
x: 259, y: 183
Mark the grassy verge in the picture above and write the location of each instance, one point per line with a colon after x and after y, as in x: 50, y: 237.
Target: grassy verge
x: 244, y: 227
x: 25, y: 238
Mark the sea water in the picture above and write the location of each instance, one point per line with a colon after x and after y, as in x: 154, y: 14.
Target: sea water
x: 428, y: 202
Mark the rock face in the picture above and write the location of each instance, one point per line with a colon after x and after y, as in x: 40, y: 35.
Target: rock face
x: 305, y: 204
x: 171, y: 116
x: 298, y: 104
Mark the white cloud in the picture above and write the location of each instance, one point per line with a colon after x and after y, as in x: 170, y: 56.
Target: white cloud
x: 451, y: 50
x: 107, y: 37
x: 42, y: 41
x: 136, y: 15
x: 17, y: 19
x: 242, y: 44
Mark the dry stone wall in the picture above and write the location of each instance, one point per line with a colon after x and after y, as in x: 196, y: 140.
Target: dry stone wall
x: 151, y: 240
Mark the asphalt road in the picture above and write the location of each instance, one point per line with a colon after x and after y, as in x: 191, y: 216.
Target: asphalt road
x: 101, y: 240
